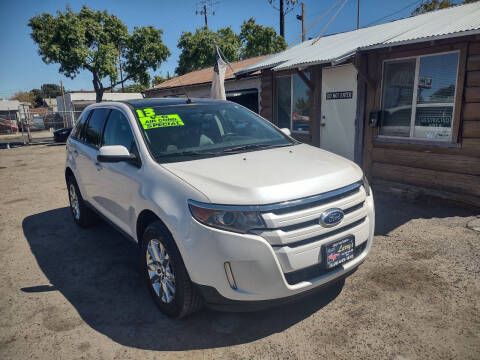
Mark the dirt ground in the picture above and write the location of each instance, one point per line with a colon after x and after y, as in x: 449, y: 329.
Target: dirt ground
x: 70, y: 293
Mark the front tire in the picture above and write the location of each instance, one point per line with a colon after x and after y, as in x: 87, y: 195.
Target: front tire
x: 165, y: 274
x: 82, y: 214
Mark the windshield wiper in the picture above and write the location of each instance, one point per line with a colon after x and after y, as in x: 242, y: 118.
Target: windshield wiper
x: 252, y: 147
x: 187, y: 153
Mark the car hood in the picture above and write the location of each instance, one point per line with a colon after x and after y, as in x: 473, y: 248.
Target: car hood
x: 267, y: 176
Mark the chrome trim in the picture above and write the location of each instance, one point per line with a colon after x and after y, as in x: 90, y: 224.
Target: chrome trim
x: 277, y: 206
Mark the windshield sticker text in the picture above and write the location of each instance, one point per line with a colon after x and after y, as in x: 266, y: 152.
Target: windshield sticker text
x: 150, y: 120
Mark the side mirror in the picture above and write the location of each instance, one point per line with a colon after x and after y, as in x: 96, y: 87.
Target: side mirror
x: 114, y: 154
x: 286, y: 131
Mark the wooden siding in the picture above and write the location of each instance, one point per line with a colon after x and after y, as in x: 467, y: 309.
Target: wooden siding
x: 266, y: 96
x: 447, y: 170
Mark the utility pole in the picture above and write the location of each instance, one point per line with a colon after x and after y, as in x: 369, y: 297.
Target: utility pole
x: 64, y: 106
x: 205, y: 13
x: 358, y: 14
x: 120, y: 65
x: 282, y: 20
x: 302, y: 19
x: 205, y: 8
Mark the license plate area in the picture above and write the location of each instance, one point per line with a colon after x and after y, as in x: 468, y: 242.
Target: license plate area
x: 338, y: 252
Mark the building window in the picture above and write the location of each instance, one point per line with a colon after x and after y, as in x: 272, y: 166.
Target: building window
x: 292, y: 103
x: 418, y: 97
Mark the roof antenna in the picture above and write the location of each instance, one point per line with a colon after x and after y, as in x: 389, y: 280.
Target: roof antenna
x: 189, y: 101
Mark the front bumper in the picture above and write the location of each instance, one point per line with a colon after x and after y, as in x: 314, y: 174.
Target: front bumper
x: 261, y: 271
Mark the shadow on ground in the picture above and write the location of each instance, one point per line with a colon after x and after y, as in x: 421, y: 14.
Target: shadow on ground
x: 392, y: 211
x: 96, y: 270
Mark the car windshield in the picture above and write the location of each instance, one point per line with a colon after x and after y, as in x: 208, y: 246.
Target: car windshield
x: 182, y: 132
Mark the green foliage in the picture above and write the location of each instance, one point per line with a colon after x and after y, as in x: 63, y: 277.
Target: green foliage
x: 157, y: 79
x: 135, y: 88
x: 431, y: 5
x: 50, y: 91
x: 259, y: 40
x: 198, y: 49
x: 93, y: 41
x: 38, y: 97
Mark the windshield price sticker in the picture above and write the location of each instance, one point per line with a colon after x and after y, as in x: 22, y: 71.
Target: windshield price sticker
x: 150, y: 120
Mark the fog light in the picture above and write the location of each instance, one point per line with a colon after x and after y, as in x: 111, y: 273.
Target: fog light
x: 229, y: 273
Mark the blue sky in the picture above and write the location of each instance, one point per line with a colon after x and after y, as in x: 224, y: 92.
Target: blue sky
x: 22, y: 69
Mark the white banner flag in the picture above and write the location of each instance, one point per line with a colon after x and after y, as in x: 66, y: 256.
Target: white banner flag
x: 218, y: 87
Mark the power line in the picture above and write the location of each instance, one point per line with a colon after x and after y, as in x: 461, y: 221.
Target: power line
x: 394, y: 13
x: 315, y: 22
x: 329, y: 22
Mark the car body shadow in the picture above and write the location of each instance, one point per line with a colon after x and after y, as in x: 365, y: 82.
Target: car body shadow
x: 96, y: 269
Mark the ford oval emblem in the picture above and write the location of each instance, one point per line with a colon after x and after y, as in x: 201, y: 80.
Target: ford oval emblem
x: 331, y: 217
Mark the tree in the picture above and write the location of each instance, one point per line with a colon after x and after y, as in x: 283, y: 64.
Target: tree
x: 24, y: 96
x: 51, y: 91
x: 259, y: 40
x: 38, y: 97
x: 283, y: 7
x: 157, y: 79
x: 198, y: 49
x: 431, y: 5
x: 94, y: 41
x: 135, y: 88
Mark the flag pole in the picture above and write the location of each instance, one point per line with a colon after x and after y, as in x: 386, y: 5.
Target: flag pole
x: 224, y: 58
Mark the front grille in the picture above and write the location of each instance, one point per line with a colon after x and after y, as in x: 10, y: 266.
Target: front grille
x: 326, y: 235
x: 314, y: 271
x: 316, y: 220
x: 307, y: 205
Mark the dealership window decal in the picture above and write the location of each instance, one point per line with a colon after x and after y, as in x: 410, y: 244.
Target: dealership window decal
x: 418, y: 97
x: 292, y: 103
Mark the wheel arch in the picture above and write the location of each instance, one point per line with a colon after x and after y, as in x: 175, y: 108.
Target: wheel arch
x: 68, y: 173
x: 145, y: 218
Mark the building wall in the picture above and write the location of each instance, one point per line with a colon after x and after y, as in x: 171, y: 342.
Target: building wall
x: 449, y: 171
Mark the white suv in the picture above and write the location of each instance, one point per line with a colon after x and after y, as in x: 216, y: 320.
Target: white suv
x: 227, y: 209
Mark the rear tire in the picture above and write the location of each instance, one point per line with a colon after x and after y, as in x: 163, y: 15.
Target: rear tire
x: 81, y: 213
x: 165, y: 274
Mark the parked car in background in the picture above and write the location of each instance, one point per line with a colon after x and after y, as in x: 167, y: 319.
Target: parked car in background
x: 36, y: 124
x: 227, y: 209
x: 8, y: 126
x: 61, y: 135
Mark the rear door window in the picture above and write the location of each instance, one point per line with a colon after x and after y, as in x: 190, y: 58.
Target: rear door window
x: 79, y: 125
x: 94, y: 127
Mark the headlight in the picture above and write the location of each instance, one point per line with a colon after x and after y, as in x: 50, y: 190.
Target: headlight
x: 226, y: 219
x: 366, y: 185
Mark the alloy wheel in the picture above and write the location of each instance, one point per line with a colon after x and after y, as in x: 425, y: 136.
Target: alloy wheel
x: 74, y: 204
x: 160, y: 271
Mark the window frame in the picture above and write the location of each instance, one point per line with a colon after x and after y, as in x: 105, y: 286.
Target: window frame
x: 453, y: 136
x: 291, y: 102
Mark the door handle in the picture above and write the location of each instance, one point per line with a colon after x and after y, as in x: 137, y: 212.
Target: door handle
x: 98, y: 166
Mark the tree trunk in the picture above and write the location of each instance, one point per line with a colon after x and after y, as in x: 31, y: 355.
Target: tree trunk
x: 98, y: 86
x: 282, y: 20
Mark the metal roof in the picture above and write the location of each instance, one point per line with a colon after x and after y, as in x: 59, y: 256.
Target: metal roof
x: 451, y: 22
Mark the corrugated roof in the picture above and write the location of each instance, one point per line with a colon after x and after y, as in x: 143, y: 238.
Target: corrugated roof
x: 205, y: 75
x: 454, y: 21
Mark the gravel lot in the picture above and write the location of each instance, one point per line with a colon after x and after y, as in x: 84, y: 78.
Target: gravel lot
x: 73, y: 293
